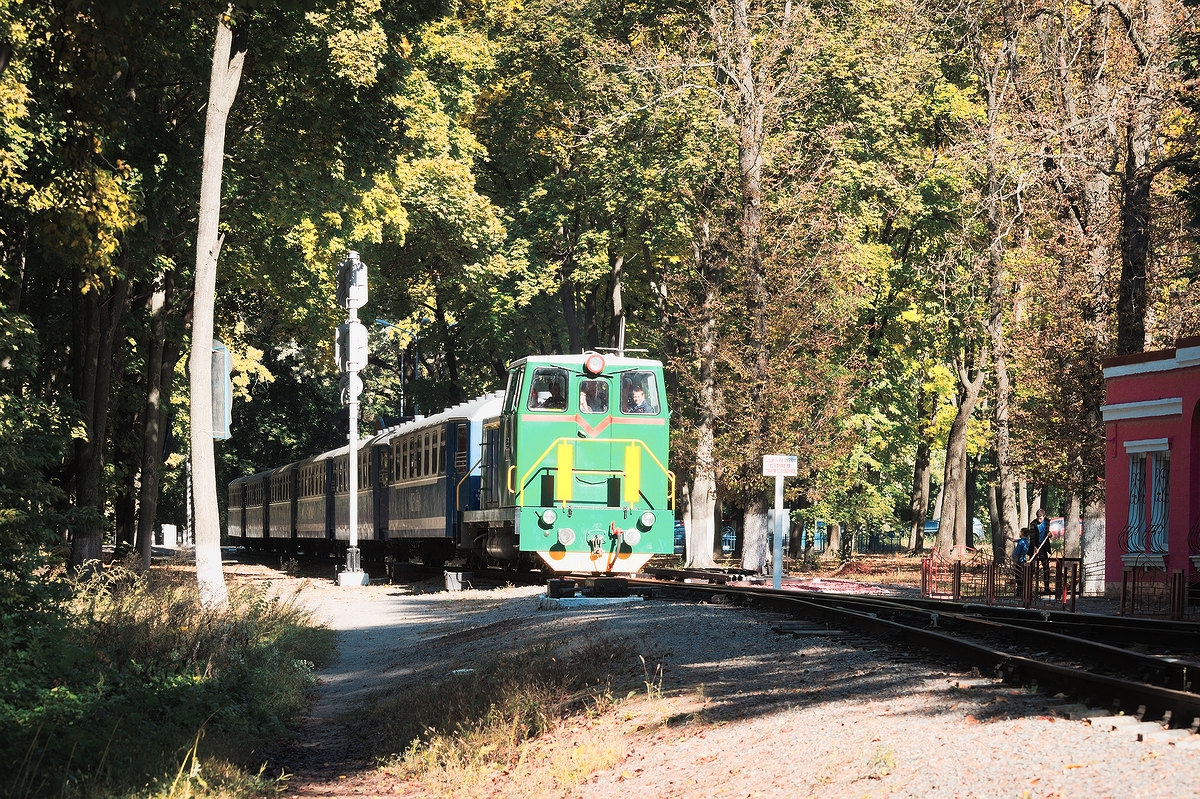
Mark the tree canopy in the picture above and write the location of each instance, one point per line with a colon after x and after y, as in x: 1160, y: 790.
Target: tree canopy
x: 891, y: 238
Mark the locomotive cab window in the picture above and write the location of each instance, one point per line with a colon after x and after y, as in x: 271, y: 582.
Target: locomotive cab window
x: 513, y: 393
x: 593, y: 396
x: 639, y: 393
x: 548, y: 389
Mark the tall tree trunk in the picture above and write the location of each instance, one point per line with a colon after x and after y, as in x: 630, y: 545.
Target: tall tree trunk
x: 1146, y: 33
x: 1001, y: 548
x: 101, y: 321
x: 566, y: 289
x: 952, y: 527
x: 920, y: 496
x: 616, y: 263
x: 229, y: 54
x: 450, y: 345
x: 1072, y: 540
x: 738, y: 62
x: 160, y: 373
x: 971, y: 500
x: 755, y: 530
x: 997, y: 77
x: 1092, y: 544
x: 834, y: 545
x: 702, y: 528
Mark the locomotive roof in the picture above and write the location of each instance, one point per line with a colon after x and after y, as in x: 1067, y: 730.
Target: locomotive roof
x: 611, y: 361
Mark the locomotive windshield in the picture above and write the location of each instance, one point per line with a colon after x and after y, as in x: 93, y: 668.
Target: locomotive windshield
x: 548, y: 389
x: 593, y: 396
x: 639, y: 393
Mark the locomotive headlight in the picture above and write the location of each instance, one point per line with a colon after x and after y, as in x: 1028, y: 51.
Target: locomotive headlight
x: 549, y: 516
x: 566, y: 536
x: 594, y: 364
x: 646, y: 520
x: 632, y: 537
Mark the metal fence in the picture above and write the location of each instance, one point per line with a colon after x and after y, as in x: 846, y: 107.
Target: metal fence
x: 963, y: 575
x: 1149, y: 590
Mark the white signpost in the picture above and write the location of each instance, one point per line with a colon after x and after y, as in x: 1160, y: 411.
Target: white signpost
x: 779, y: 467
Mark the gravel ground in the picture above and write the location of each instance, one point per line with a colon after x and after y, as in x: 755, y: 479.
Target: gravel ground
x: 737, y: 709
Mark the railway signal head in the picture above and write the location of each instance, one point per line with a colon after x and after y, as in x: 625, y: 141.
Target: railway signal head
x: 352, y: 282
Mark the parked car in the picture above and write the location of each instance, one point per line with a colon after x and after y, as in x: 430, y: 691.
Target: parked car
x: 1058, y: 526
x: 931, y: 528
x: 680, y: 538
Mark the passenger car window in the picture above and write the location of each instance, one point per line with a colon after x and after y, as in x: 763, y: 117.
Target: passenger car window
x: 548, y: 389
x: 593, y: 396
x: 639, y: 393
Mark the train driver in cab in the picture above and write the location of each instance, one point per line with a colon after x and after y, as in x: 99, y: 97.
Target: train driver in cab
x: 556, y: 401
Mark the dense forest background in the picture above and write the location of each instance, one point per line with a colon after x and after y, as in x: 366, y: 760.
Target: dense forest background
x: 897, y: 239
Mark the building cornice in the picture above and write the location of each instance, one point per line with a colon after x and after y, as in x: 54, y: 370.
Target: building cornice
x: 1168, y: 406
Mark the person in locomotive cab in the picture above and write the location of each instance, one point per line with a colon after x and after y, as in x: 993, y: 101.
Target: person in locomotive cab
x: 556, y: 401
x: 637, y: 400
x: 593, y: 396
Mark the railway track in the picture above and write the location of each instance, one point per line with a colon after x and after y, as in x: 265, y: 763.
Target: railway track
x: 1141, y: 669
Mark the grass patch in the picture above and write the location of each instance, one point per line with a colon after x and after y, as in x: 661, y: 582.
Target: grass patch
x: 143, y: 692
x: 456, y: 736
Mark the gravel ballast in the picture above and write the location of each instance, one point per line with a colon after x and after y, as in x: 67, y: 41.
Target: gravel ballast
x: 732, y: 707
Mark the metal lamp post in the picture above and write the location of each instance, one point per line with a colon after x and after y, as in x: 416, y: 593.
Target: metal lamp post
x: 399, y: 362
x: 400, y: 359
x: 351, y: 346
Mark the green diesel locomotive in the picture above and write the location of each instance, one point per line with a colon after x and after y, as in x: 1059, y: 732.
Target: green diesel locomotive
x: 574, y: 469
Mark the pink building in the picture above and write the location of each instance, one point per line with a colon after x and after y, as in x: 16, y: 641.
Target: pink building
x: 1152, y: 465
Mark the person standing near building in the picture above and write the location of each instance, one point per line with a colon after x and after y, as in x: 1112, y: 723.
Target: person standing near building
x: 1020, y: 555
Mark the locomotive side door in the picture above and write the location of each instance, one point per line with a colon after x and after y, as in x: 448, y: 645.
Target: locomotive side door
x: 504, y: 463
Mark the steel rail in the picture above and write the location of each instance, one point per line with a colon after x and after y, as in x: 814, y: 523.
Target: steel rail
x: 1149, y: 701
x: 1085, y: 628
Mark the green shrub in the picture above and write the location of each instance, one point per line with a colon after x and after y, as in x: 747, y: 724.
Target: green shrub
x: 143, y: 674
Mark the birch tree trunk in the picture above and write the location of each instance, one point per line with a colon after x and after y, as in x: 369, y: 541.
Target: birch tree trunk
x: 228, y: 58
x: 701, y: 532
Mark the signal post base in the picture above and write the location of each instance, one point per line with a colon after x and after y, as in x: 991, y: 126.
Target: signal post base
x: 349, y: 578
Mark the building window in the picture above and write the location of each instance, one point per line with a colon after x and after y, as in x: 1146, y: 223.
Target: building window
x: 1149, y: 499
x: 1160, y: 502
x: 1137, y: 503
